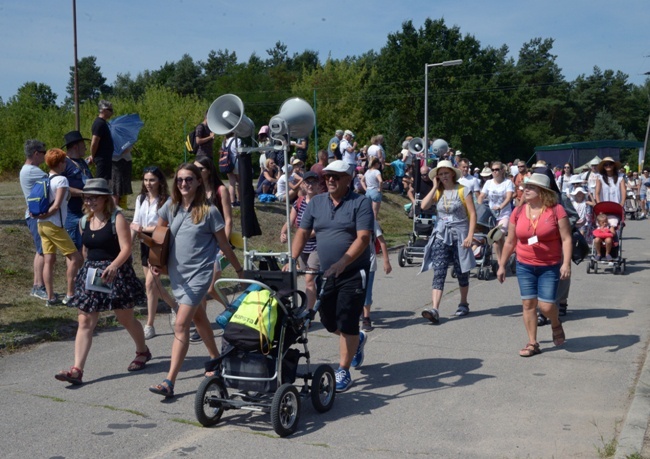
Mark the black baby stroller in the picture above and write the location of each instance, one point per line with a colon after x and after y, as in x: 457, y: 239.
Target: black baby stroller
x: 259, y: 375
x: 616, y: 217
x: 423, y: 224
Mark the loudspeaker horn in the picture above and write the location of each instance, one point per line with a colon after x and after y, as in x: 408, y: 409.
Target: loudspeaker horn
x: 296, y: 119
x: 226, y: 115
x: 416, y: 146
x: 439, y: 147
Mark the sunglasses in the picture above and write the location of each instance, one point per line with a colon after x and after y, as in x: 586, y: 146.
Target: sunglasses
x: 496, y: 170
x: 188, y: 180
x: 90, y: 198
x: 150, y: 169
x: 333, y: 177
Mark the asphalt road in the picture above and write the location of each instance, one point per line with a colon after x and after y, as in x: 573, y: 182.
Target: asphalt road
x: 458, y: 389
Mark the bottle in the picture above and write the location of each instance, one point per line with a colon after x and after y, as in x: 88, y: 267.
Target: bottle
x: 223, y: 318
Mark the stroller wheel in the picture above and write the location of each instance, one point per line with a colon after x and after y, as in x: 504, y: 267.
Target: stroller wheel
x: 479, y: 274
x: 207, y: 409
x: 323, y: 388
x: 590, y: 267
x: 453, y: 273
x: 401, y: 259
x: 285, y: 410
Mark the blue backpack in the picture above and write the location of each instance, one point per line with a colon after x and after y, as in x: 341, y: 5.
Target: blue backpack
x: 38, y: 201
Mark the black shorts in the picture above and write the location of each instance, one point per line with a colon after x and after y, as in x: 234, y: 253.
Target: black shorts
x: 342, y: 302
x: 104, y: 168
x: 144, y: 254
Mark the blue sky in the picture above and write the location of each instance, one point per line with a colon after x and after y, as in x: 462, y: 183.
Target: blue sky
x: 36, y: 39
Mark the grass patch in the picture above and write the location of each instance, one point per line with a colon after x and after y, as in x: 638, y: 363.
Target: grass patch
x: 125, y: 410
x: 185, y: 421
x: 49, y: 397
x: 22, y: 316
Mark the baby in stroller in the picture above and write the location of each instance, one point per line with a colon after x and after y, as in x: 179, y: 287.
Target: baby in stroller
x: 604, y: 236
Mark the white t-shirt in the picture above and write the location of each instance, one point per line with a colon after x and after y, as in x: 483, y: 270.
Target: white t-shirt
x: 281, y: 185
x: 146, y: 214
x: 514, y: 170
x: 496, y: 193
x: 348, y: 157
x: 372, y: 179
x: 28, y: 176
x: 375, y: 150
x: 58, y: 218
x: 471, y: 183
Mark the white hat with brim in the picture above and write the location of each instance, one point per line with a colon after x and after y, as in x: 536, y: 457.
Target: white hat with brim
x: 578, y: 190
x: 609, y: 159
x: 540, y: 180
x: 576, y: 179
x: 445, y: 165
x: 486, y: 172
x: 338, y: 166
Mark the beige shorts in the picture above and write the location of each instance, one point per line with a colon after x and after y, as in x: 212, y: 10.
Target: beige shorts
x: 54, y: 237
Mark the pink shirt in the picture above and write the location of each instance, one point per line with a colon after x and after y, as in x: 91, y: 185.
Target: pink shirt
x: 547, y: 251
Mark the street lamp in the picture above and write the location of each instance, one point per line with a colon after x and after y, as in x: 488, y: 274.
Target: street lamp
x: 426, y: 98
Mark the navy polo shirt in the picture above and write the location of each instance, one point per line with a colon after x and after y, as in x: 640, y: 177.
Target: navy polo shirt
x: 336, y: 227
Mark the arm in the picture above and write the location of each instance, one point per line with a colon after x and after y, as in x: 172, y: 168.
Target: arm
x: 598, y: 188
x: 94, y: 146
x: 363, y: 182
x: 481, y: 197
x: 224, y: 246
x: 429, y: 198
x: 56, y: 205
x: 567, y: 247
x: 506, y: 202
x: 292, y: 218
x: 623, y: 191
x: 471, y: 213
x: 507, y: 250
x: 202, y: 140
x: 299, y: 241
x: 358, y: 246
x: 227, y: 211
x: 124, y: 238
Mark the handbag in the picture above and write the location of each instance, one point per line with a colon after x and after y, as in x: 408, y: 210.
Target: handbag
x: 580, y: 247
x: 158, y: 244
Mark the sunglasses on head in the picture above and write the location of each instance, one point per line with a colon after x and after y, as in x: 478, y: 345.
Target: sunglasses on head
x: 150, y: 169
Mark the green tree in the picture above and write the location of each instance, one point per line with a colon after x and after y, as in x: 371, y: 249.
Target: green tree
x: 92, y: 83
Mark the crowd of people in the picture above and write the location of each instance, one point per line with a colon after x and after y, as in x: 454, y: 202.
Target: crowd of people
x: 337, y: 231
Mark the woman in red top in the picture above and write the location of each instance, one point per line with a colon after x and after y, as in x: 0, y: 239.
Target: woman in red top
x: 540, y: 234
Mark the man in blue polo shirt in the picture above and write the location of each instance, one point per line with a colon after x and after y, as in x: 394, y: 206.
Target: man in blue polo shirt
x: 343, y: 222
x: 77, y: 172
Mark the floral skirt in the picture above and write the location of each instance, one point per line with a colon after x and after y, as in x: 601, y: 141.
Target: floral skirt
x: 127, y: 291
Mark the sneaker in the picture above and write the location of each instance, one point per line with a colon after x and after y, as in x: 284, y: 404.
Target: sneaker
x: 195, y: 337
x: 541, y: 319
x: 149, y: 332
x: 431, y: 314
x: 172, y: 317
x: 608, y: 258
x: 39, y: 292
x: 463, y: 310
x: 597, y: 258
x: 366, y: 325
x: 343, y: 380
x: 53, y: 302
x: 357, y: 360
x: 67, y: 299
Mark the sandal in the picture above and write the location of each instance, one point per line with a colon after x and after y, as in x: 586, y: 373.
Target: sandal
x: 463, y: 310
x: 561, y: 310
x: 431, y: 314
x: 166, y: 388
x: 558, y: 335
x: 73, y: 376
x: 530, y: 350
x: 137, y: 365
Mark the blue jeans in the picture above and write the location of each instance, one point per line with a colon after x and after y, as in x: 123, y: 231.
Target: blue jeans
x: 538, y: 282
x: 72, y: 227
x: 371, y: 281
x: 32, y: 224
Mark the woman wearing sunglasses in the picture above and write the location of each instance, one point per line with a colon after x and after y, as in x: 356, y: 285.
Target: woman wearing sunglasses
x: 153, y: 195
x: 107, y: 248
x: 197, y: 233
x: 610, y: 185
x: 499, y: 191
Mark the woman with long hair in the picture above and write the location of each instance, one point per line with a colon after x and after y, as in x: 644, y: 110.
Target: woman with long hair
x: 372, y: 183
x: 564, y: 181
x: 269, y: 177
x: 451, y: 240
x: 153, y: 195
x: 107, y: 247
x: 197, y: 233
x: 610, y: 185
x: 217, y: 195
x: 499, y: 192
x: 540, y: 234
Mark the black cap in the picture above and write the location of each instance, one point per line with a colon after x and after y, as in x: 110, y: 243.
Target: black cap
x: 72, y: 137
x: 310, y: 174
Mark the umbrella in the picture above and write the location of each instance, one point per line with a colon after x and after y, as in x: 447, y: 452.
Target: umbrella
x: 125, y: 130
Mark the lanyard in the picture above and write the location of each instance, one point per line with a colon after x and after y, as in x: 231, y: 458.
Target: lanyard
x: 534, y: 221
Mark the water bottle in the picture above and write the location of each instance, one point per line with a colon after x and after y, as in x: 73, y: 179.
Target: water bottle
x: 223, y: 318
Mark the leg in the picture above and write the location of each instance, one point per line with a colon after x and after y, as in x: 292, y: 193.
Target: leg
x: 530, y: 319
x: 48, y: 274
x: 39, y: 264
x: 310, y: 290
x: 608, y: 246
x: 127, y: 319
x: 375, y: 208
x: 348, y: 345
x: 73, y: 263
x: 181, y: 342
x: 215, y: 276
x: 204, y: 329
x: 84, y: 339
x: 152, y: 295
x: 232, y: 184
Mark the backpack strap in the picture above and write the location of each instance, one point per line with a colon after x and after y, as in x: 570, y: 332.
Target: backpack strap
x: 84, y: 220
x: 461, y: 194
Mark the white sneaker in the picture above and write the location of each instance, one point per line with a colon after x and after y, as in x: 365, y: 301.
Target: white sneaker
x: 149, y: 332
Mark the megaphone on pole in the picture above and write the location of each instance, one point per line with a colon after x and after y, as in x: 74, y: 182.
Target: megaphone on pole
x: 226, y: 115
x: 296, y: 119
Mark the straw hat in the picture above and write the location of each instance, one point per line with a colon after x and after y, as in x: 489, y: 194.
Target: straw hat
x: 445, y: 165
x: 608, y: 159
x: 540, y: 180
x: 540, y: 163
x: 486, y: 172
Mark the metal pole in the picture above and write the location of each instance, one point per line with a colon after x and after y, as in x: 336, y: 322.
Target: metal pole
x: 76, y: 75
x: 315, y: 130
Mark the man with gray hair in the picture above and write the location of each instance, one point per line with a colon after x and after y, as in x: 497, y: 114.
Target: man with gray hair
x: 101, y: 143
x: 29, y: 174
x: 333, y: 151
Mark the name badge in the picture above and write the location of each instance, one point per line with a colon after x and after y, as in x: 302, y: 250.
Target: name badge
x: 532, y: 240
x: 446, y: 218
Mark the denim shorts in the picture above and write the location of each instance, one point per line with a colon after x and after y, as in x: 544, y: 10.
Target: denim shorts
x: 32, y: 224
x: 374, y: 195
x: 538, y: 282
